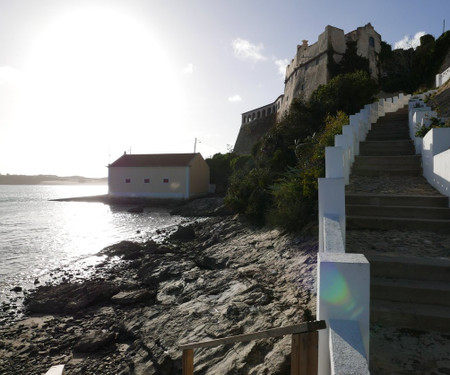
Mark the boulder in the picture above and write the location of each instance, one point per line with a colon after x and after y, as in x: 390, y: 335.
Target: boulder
x: 134, y: 296
x: 93, y: 341
x: 183, y: 233
x: 69, y: 298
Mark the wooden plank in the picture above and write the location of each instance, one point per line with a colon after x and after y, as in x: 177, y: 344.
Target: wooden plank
x: 188, y: 362
x: 275, y: 332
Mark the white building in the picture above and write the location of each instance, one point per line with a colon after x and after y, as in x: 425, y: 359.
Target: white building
x: 179, y: 176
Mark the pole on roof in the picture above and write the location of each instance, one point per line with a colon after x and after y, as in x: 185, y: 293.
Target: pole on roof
x: 195, y: 145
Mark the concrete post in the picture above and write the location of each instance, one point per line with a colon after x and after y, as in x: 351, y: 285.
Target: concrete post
x: 343, y: 292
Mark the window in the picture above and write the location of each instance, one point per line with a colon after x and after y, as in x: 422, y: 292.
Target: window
x: 165, y: 180
x: 371, y: 42
x: 128, y: 180
x: 146, y: 180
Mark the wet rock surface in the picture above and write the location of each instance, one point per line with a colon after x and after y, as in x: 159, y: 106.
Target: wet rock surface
x: 226, y: 279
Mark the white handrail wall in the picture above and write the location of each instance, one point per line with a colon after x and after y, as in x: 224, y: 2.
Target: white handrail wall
x: 434, y: 146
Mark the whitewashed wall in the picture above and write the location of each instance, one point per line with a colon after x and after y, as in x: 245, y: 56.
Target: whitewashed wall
x: 436, y: 159
x: 442, y: 77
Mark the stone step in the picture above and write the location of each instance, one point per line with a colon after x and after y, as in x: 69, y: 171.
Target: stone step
x: 422, y: 317
x: 410, y: 291
x: 387, y: 137
x: 386, y: 223
x: 385, y: 148
x: 387, y: 161
x: 398, y: 211
x: 397, y: 200
x: 389, y: 127
x: 391, y: 265
x: 374, y: 171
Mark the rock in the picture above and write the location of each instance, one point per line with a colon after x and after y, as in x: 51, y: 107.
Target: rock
x: 136, y: 210
x: 16, y: 289
x: 204, y: 207
x: 211, y: 263
x: 128, y: 250
x: 183, y: 233
x: 93, y: 341
x: 69, y: 298
x: 132, y: 297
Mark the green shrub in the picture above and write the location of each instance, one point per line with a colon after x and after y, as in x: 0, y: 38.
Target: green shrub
x: 421, y: 131
x: 278, y: 183
x: 348, y: 93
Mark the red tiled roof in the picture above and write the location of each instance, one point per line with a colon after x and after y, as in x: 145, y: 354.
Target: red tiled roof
x: 154, y: 160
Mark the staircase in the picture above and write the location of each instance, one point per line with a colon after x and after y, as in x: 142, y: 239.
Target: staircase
x: 406, y: 291
x: 389, y: 152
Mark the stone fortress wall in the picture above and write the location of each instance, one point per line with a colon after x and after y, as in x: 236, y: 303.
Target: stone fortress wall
x: 307, y: 71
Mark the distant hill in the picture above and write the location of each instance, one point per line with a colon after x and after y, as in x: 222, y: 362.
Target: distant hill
x: 11, y: 179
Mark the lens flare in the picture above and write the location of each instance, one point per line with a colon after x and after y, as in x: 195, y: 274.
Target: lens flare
x: 338, y: 292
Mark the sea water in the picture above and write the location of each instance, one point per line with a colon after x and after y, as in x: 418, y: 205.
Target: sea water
x: 38, y: 236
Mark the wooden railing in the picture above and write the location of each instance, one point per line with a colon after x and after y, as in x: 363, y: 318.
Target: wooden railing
x: 304, y: 351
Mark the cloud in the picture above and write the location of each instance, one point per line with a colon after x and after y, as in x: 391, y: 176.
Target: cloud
x: 189, y: 69
x: 245, y: 50
x: 9, y: 75
x: 281, y: 65
x: 409, y: 42
x: 235, y: 98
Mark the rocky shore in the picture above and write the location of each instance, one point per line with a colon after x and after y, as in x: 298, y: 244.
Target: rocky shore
x: 210, y: 279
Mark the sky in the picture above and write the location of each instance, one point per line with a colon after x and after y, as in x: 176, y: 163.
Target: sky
x: 81, y: 82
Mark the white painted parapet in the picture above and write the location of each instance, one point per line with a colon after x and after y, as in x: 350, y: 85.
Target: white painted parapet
x: 343, y: 141
x: 418, y: 117
x: 348, y: 131
x: 331, y: 204
x: 334, y: 162
x: 441, y: 172
x: 442, y: 77
x: 436, y: 159
x: 381, y: 108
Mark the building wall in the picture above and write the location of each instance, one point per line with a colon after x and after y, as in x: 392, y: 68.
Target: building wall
x: 262, y: 112
x: 198, y: 176
x: 156, y: 188
x: 365, y: 47
x: 309, y: 67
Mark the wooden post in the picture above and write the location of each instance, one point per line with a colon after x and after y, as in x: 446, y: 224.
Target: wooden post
x: 313, y: 353
x: 304, y: 354
x: 188, y: 362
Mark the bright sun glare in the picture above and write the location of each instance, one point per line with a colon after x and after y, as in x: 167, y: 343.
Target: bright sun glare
x: 100, y: 79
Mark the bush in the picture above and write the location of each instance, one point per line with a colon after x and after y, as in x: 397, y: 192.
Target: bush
x: 278, y: 184
x: 347, y: 93
x: 421, y: 131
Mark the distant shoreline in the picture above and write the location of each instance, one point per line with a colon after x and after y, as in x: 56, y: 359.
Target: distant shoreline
x: 50, y: 180
x: 140, y: 202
